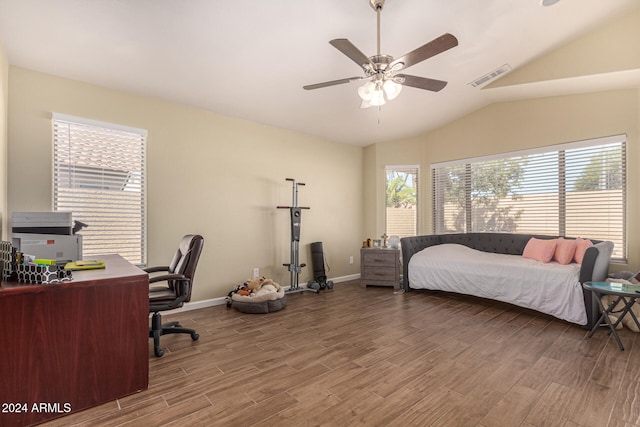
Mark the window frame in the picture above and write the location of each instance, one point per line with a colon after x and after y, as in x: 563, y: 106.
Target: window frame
x: 118, y: 165
x: 561, y: 176
x: 403, y: 168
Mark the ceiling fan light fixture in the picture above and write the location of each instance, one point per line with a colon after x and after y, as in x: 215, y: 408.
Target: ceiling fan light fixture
x: 366, y: 90
x: 378, y: 92
x: 379, y: 70
x: 378, y: 97
x: 391, y: 89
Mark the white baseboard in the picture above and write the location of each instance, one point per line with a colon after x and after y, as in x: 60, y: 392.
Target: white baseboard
x: 196, y: 305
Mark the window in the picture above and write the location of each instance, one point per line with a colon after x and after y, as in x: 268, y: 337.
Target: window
x: 99, y: 175
x: 574, y: 189
x: 401, y: 200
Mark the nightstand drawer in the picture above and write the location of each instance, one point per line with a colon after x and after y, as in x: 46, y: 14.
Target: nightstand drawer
x: 388, y: 274
x: 381, y: 258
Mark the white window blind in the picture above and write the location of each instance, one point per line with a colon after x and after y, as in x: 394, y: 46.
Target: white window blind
x: 99, y: 175
x: 401, y: 200
x: 576, y: 189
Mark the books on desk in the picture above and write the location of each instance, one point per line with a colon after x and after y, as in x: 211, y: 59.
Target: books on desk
x: 91, y: 264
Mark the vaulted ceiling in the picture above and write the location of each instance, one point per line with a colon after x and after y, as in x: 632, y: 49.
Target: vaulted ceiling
x: 249, y: 59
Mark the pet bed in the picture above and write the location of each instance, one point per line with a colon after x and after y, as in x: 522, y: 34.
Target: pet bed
x: 266, y: 300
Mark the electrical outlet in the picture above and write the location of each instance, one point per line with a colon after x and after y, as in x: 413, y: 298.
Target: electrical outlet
x: 256, y: 272
x: 351, y: 259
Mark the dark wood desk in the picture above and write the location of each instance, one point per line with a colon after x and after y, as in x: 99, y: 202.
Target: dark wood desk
x: 70, y: 346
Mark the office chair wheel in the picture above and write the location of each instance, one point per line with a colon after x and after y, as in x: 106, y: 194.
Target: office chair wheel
x: 195, y: 336
x: 158, y: 352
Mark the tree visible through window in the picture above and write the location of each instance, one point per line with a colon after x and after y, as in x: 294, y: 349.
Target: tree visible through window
x: 99, y: 176
x: 576, y: 189
x: 401, y: 200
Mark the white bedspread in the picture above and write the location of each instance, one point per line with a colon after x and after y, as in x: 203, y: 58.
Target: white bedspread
x: 550, y: 288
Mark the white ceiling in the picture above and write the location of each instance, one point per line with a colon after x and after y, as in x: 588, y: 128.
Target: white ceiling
x: 249, y: 58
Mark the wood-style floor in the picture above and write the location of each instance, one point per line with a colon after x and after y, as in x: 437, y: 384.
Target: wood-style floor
x: 369, y: 357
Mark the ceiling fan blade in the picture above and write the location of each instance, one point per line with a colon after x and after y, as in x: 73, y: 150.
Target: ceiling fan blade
x: 420, y: 82
x: 331, y: 83
x: 346, y: 47
x: 434, y: 47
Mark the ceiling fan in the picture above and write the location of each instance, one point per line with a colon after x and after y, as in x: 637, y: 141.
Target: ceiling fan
x: 380, y: 70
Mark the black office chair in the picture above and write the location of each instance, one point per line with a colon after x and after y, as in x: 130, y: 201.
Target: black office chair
x: 176, y: 290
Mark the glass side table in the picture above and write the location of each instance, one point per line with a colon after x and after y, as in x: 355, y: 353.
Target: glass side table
x: 625, y: 293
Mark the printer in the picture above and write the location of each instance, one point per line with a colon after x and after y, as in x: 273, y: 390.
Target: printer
x: 47, y: 235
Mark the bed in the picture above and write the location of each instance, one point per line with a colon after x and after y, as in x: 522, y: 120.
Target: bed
x: 490, y: 265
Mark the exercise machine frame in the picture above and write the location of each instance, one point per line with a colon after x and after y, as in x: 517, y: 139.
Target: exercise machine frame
x: 295, y: 268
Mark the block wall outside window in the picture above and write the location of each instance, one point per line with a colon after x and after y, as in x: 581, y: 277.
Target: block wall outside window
x: 99, y: 176
x: 576, y: 189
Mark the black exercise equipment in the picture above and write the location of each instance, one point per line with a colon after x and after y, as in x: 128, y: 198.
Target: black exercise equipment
x: 295, y: 268
x: 317, y: 261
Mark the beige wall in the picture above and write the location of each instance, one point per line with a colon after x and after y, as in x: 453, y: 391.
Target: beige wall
x: 517, y: 125
x: 4, y: 95
x: 606, y: 53
x: 208, y: 174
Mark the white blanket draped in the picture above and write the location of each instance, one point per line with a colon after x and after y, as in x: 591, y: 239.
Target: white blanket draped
x: 550, y: 288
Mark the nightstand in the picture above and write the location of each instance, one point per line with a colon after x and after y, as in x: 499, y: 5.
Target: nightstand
x: 380, y: 267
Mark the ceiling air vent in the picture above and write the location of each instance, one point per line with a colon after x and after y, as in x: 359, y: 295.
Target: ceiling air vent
x: 490, y: 76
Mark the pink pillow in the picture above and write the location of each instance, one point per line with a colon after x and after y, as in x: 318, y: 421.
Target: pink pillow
x: 541, y: 250
x: 565, y: 251
x: 581, y: 248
